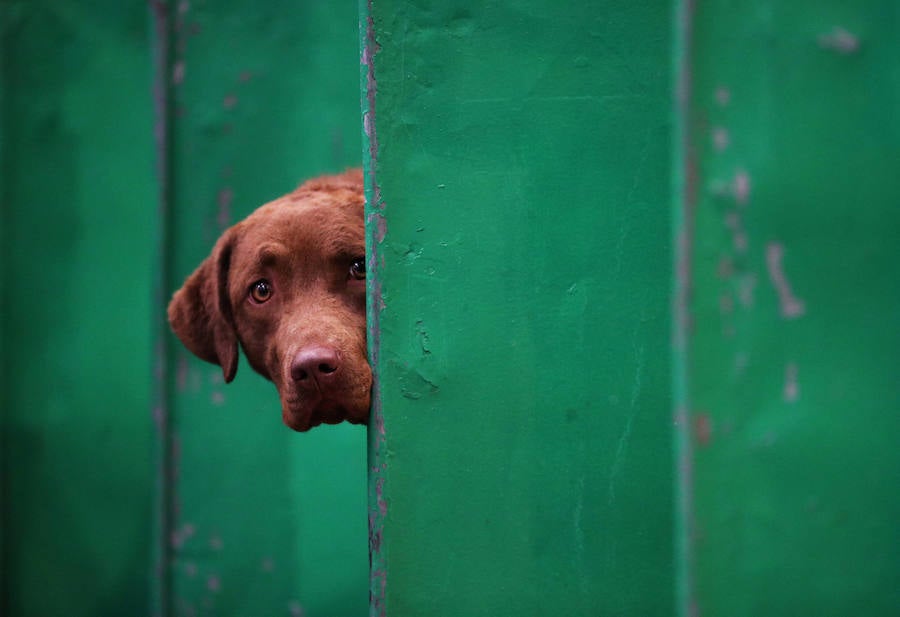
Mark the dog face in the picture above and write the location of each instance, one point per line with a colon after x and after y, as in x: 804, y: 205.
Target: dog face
x: 288, y: 284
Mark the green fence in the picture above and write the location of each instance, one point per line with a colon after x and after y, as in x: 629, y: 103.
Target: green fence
x: 134, y: 481
x: 634, y: 315
x: 787, y: 234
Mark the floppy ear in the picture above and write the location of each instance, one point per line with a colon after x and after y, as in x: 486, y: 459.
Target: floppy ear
x: 200, y: 312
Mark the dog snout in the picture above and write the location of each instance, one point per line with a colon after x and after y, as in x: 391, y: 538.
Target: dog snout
x: 315, y: 366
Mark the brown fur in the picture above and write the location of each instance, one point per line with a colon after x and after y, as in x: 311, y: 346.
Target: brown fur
x: 303, y: 244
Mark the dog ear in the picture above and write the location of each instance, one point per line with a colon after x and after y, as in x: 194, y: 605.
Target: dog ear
x: 200, y: 312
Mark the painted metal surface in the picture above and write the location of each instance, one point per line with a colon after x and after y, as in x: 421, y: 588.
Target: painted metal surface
x: 253, y: 519
x: 77, y: 207
x: 788, y: 336
x: 521, y: 450
x: 263, y: 520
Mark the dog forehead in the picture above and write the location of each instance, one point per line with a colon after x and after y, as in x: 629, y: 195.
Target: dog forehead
x: 307, y: 226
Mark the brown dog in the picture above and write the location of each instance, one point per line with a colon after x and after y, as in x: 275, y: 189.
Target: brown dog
x: 288, y: 284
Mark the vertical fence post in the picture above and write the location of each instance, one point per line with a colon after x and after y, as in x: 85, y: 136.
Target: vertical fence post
x: 519, y: 240
x: 788, y: 308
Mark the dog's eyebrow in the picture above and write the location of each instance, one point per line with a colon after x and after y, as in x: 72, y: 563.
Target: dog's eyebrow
x: 271, y: 253
x: 346, y: 241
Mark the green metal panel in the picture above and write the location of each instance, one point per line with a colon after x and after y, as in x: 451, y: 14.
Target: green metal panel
x: 521, y: 451
x: 789, y: 336
x: 261, y: 520
x: 77, y: 201
x: 253, y: 518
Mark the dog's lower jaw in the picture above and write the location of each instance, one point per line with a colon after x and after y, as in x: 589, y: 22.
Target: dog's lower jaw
x: 303, y: 415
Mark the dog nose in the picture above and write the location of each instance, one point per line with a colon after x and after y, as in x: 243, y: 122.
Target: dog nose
x: 314, y: 364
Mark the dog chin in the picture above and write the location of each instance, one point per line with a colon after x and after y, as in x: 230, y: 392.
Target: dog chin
x: 325, y: 412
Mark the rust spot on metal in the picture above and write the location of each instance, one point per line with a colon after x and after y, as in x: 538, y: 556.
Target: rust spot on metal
x: 703, y: 429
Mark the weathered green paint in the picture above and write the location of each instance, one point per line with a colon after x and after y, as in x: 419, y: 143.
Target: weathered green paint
x: 77, y: 202
x: 263, y: 520
x: 253, y: 519
x: 519, y: 156
x: 790, y: 341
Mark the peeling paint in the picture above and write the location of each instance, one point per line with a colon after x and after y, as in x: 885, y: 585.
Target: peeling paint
x: 741, y: 361
x: 214, y: 583
x: 178, y: 70
x: 839, y: 40
x: 422, y: 335
x: 215, y: 543
x: 723, y: 96
x: 726, y: 304
x: 181, y: 375
x: 376, y: 229
x: 791, y: 391
x: 180, y: 536
x: 741, y: 186
x: 721, y: 138
x: 746, y: 289
x: 224, y: 199
x: 791, y: 306
x: 296, y: 609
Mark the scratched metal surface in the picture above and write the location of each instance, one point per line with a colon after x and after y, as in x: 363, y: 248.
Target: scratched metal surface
x: 77, y: 202
x: 262, y: 520
x: 518, y: 157
x: 789, y: 337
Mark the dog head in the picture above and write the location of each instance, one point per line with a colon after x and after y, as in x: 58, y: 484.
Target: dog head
x: 287, y: 284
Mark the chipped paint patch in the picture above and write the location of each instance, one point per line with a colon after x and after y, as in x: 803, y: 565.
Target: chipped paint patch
x: 296, y: 609
x: 740, y: 187
x: 839, y: 40
x: 723, y: 96
x: 721, y: 138
x: 178, y: 73
x: 376, y: 229
x: 214, y: 583
x: 791, y: 306
x: 746, y: 290
x: 224, y: 200
x: 791, y: 391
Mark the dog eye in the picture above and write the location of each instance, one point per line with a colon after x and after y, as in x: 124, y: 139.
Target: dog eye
x: 261, y: 291
x: 358, y: 269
